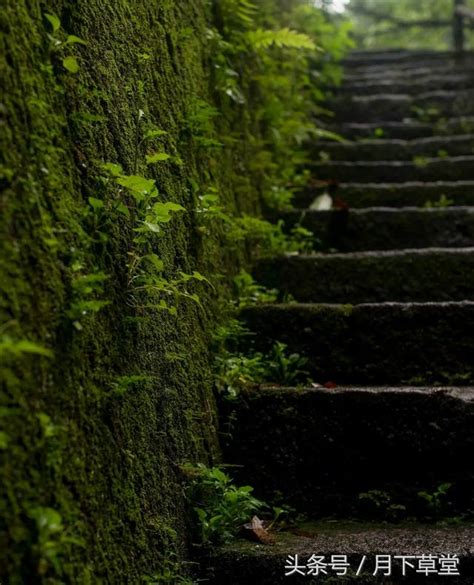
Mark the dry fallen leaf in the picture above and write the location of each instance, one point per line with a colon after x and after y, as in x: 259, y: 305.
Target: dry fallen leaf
x: 256, y: 532
x: 330, y: 385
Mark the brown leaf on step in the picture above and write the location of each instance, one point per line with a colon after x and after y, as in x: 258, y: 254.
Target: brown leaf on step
x: 256, y: 532
x: 330, y: 385
x: 340, y: 204
x: 254, y: 523
x: 318, y: 183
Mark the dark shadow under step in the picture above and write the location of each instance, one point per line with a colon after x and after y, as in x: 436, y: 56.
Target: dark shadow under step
x: 386, y: 343
x: 416, y: 194
x: 319, y: 449
x: 434, y: 274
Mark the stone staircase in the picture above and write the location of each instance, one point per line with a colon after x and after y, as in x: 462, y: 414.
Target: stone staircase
x: 386, y: 320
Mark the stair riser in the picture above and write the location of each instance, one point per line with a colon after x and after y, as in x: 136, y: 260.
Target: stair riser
x: 359, y: 195
x: 374, y: 344
x: 406, y: 74
x: 410, y: 130
x: 395, y: 60
x: 398, y: 108
x: 387, y: 230
x: 455, y: 83
x: 461, y: 168
x: 408, y: 277
x: 387, y: 150
x: 321, y: 449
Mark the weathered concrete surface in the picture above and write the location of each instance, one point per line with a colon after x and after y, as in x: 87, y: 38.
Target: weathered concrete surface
x: 397, y: 150
x: 412, y: 193
x: 419, y: 85
x: 388, y: 228
x: 408, y: 129
x: 402, y: 59
x: 386, y: 343
x: 434, y: 274
x: 252, y: 564
x: 390, y: 106
x: 319, y: 449
x: 431, y: 169
x: 409, y: 72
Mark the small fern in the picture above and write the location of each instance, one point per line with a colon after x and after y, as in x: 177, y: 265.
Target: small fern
x: 239, y: 12
x: 284, y: 38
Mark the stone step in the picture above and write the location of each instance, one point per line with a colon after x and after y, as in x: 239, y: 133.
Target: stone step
x: 412, y: 87
x: 389, y: 106
x: 406, y: 73
x: 387, y: 228
x: 252, y: 564
x: 390, y: 194
x: 373, y: 343
x: 396, y: 150
x: 434, y: 274
x: 401, y: 58
x: 428, y: 169
x: 318, y: 449
x: 409, y: 129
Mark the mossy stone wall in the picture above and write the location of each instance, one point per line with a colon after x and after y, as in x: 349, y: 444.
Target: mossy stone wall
x: 93, y: 435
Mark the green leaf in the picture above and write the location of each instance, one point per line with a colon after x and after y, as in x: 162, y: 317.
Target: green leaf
x: 96, y: 203
x: 112, y: 168
x: 71, y: 64
x: 4, y: 439
x: 284, y: 38
x: 173, y: 206
x: 157, y: 263
x: 162, y: 212
x: 73, y: 40
x: 157, y: 157
x: 123, y: 209
x: 22, y: 346
x: 138, y: 185
x: 154, y: 134
x: 194, y: 276
x: 152, y: 227
x: 47, y: 519
x: 53, y: 20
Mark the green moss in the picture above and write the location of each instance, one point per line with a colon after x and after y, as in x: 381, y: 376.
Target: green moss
x: 105, y: 463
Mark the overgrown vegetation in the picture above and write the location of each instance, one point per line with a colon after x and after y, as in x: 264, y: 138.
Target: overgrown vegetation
x: 139, y: 146
x: 221, y: 506
x: 403, y: 23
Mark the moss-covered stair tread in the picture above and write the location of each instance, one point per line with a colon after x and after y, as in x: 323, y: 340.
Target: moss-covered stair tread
x: 432, y: 169
x: 422, y: 275
x: 248, y: 563
x: 406, y: 130
x: 384, y: 315
x: 386, y: 150
x: 410, y: 193
x: 376, y: 343
x: 387, y: 228
x: 392, y: 106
